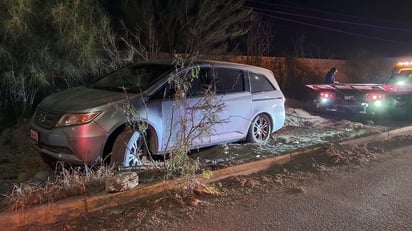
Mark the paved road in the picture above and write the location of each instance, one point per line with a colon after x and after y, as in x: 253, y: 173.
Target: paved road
x: 378, y: 197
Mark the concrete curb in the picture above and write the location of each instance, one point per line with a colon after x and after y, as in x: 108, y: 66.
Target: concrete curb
x: 75, y: 207
x: 380, y: 137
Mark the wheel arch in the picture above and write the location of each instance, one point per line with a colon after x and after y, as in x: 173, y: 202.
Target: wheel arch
x: 152, y: 137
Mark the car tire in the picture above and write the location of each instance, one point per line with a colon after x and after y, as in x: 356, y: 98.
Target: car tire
x: 260, y: 129
x: 129, y: 149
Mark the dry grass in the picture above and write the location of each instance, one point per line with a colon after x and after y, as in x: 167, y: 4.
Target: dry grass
x: 68, y: 182
x: 356, y: 154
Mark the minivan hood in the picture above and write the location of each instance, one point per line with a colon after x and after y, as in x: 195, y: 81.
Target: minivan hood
x: 79, y: 99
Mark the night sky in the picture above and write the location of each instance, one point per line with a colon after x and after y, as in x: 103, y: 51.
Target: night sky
x: 339, y: 28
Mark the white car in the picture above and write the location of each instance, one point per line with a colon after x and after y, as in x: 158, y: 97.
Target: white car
x: 86, y: 124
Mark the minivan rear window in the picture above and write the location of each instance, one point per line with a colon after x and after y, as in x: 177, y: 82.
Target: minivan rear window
x: 229, y: 80
x: 259, y: 83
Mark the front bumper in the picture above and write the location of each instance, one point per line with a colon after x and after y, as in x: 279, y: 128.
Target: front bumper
x: 366, y: 107
x: 73, y: 144
x: 353, y: 107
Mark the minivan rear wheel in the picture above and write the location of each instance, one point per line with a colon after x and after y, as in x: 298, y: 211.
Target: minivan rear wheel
x: 129, y: 149
x: 260, y: 129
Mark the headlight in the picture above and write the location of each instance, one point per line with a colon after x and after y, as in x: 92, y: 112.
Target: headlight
x: 75, y: 119
x: 401, y: 82
x: 378, y: 103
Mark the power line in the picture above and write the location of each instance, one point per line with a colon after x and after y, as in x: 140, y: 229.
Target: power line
x: 335, y: 30
x: 320, y: 11
x: 334, y: 20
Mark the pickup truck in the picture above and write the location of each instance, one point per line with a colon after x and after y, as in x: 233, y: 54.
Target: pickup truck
x: 394, y: 95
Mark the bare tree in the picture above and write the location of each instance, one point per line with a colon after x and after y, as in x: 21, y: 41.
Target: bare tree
x: 259, y: 39
x: 189, y: 26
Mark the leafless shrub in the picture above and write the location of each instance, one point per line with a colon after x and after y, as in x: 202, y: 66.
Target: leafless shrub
x: 180, y: 163
x: 259, y: 39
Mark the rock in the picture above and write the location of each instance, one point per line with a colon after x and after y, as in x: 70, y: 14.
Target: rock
x: 121, y: 182
x: 297, y: 189
x: 196, y: 202
x: 284, y: 140
x: 116, y: 211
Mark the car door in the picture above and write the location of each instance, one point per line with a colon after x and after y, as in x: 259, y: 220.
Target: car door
x: 231, y: 90
x: 185, y: 117
x: 267, y: 98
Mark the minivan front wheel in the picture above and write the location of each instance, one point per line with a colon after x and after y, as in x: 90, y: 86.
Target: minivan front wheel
x: 260, y: 129
x: 129, y: 149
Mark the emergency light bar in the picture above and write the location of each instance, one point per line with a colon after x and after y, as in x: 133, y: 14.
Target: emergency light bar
x: 404, y: 64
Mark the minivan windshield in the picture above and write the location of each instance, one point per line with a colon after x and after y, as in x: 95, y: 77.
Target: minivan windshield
x: 133, y: 79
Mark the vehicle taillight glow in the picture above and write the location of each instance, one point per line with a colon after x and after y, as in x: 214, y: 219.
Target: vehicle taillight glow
x: 390, y: 88
x: 375, y: 96
x: 327, y: 95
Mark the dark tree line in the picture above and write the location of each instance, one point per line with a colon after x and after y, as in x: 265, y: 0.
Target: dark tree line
x: 50, y: 44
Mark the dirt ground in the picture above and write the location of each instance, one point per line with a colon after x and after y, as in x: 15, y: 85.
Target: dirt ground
x: 18, y: 160
x: 165, y: 213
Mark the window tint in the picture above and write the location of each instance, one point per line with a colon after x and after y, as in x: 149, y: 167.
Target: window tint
x: 229, y: 80
x: 135, y: 79
x: 200, y: 82
x: 260, y: 83
x: 165, y: 92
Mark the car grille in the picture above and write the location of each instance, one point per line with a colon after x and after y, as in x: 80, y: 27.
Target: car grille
x: 46, y: 119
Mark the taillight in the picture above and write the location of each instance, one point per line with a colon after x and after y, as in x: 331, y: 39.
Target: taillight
x: 327, y: 95
x: 375, y: 96
x: 390, y: 88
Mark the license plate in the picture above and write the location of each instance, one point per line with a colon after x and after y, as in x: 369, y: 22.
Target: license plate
x: 348, y: 97
x: 34, y: 135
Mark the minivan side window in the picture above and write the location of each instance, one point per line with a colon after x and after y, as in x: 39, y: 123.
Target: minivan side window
x: 167, y: 91
x: 229, y: 80
x: 260, y: 83
x: 200, y: 83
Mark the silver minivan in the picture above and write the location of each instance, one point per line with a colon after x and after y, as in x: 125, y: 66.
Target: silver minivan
x: 89, y: 123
